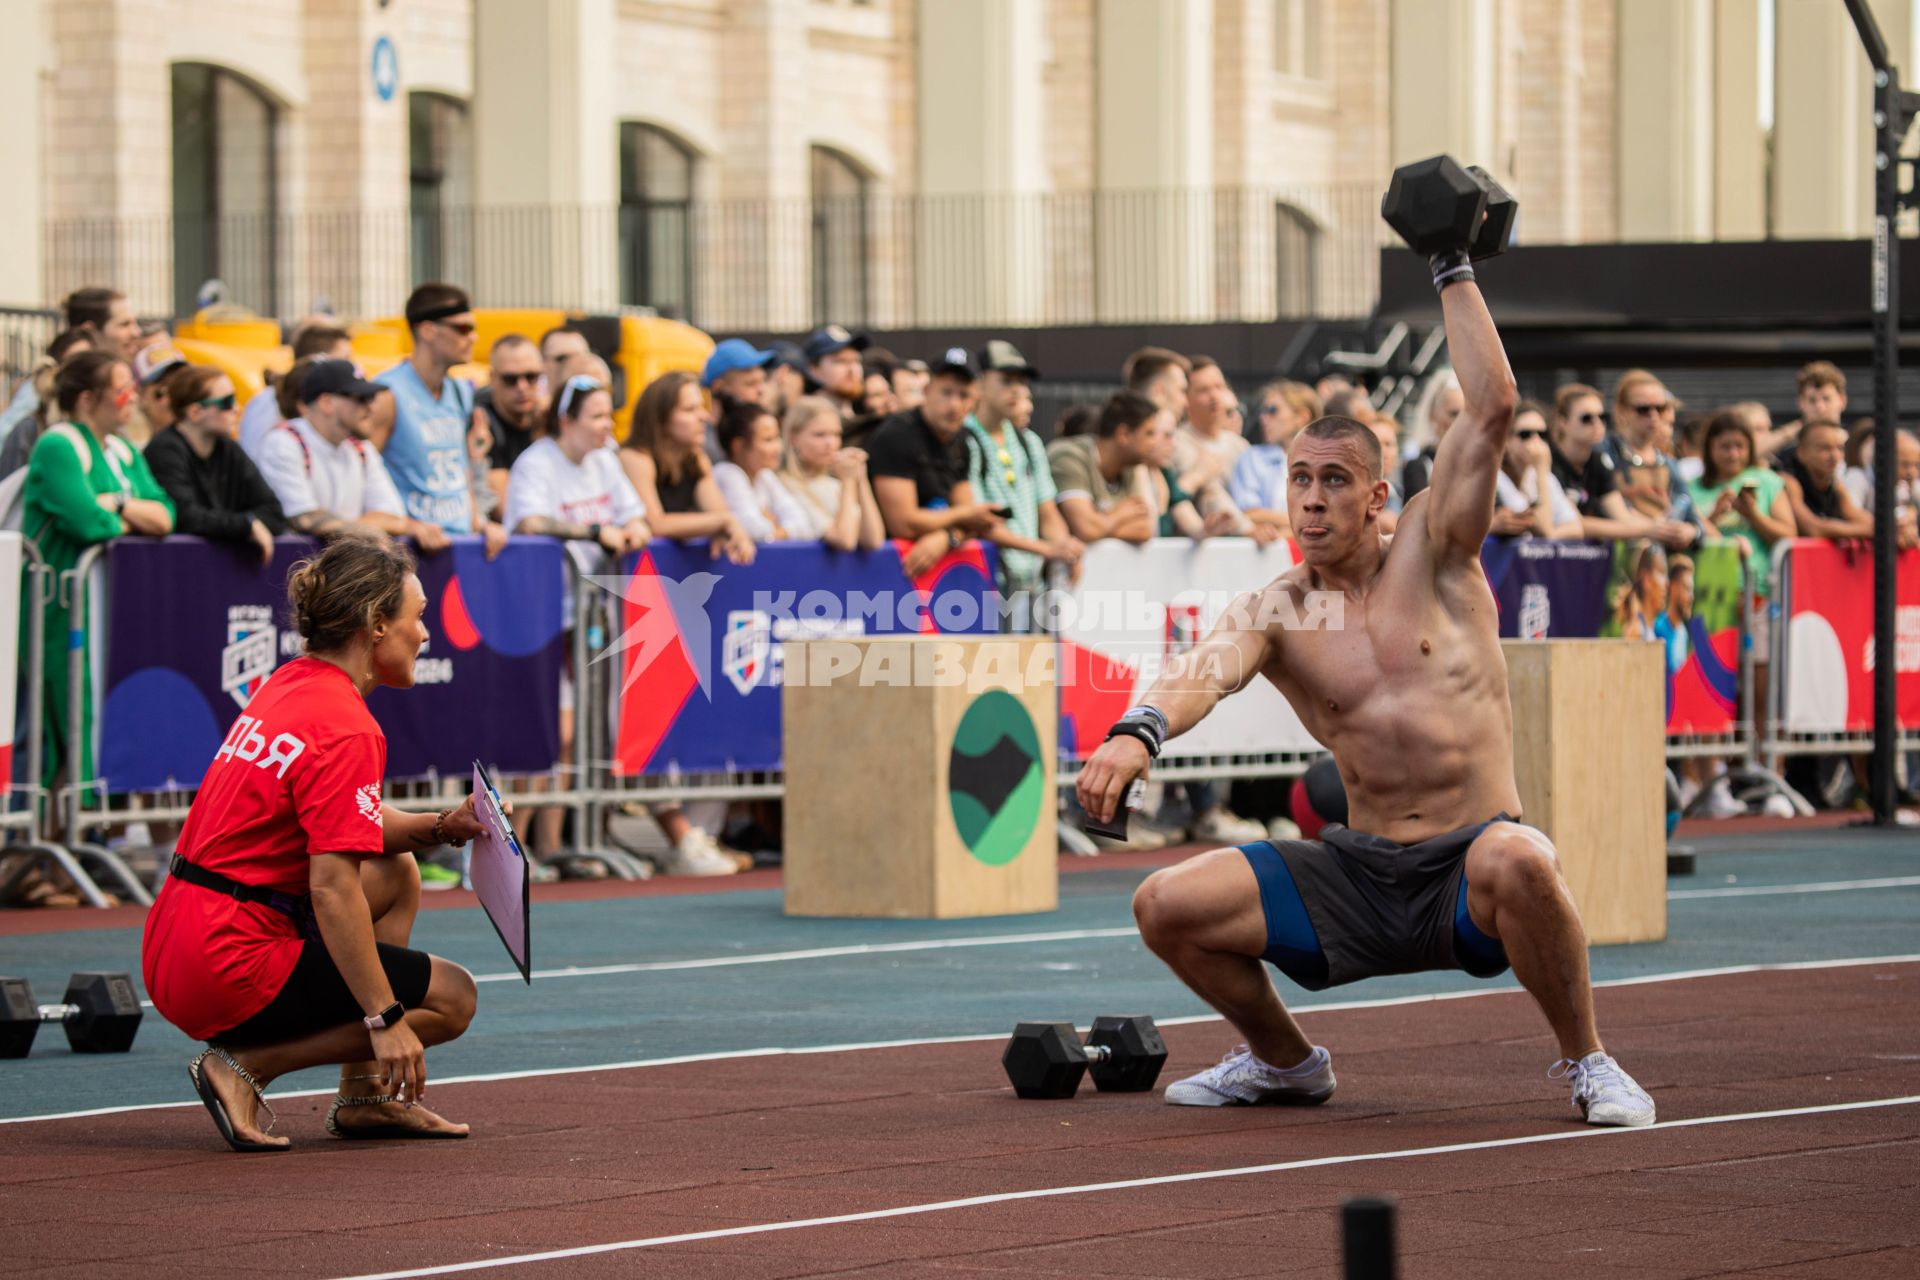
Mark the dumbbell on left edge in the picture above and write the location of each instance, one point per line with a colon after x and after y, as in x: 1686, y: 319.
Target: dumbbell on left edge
x: 101, y: 1013
x: 1047, y: 1060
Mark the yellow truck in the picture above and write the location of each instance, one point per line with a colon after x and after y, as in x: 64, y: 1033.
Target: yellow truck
x: 637, y: 349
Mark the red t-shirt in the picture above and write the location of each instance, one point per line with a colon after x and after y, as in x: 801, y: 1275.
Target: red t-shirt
x: 298, y: 775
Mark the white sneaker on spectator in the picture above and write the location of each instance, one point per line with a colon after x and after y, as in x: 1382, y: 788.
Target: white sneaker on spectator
x: 1689, y: 789
x: 697, y: 855
x: 1283, y: 829
x: 1604, y: 1093
x: 1719, y: 801
x: 1222, y: 826
x: 1142, y: 837
x: 1242, y: 1080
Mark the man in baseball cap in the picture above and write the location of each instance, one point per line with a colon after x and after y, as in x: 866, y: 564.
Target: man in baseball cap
x: 738, y: 370
x: 151, y: 367
x: 918, y: 461
x: 1008, y: 466
x: 833, y: 362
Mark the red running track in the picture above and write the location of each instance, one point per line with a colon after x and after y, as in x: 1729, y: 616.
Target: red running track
x: 750, y: 1143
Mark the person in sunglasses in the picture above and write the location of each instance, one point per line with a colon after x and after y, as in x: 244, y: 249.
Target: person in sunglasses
x: 1586, y: 471
x: 1640, y: 446
x: 426, y: 451
x: 216, y: 490
x: 85, y: 485
x: 514, y: 401
x: 1528, y: 501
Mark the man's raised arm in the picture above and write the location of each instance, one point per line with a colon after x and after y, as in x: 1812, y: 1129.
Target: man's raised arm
x: 1237, y: 649
x: 1454, y: 217
x: 1468, y: 460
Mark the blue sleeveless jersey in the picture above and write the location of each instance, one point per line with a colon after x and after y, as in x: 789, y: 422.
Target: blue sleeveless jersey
x: 427, y: 455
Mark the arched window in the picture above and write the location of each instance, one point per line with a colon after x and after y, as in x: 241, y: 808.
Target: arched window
x: 840, y: 244
x: 224, y: 188
x: 1296, y: 255
x: 656, y: 221
x: 439, y: 187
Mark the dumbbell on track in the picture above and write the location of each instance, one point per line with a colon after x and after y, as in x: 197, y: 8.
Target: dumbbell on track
x: 1047, y: 1060
x: 100, y: 1014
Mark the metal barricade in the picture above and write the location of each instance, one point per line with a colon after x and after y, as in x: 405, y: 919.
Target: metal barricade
x: 77, y: 594
x: 28, y: 843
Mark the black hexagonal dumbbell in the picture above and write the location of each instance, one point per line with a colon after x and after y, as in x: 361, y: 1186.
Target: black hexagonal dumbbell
x: 1438, y: 204
x: 100, y: 1014
x: 1047, y: 1060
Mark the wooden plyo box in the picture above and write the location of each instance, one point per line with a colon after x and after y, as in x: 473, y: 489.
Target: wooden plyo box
x: 920, y: 776
x: 1589, y: 745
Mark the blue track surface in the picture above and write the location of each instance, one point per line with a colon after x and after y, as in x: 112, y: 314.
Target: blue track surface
x: 802, y: 1001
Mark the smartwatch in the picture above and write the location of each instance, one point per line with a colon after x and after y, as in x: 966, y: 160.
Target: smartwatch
x: 120, y: 502
x: 593, y: 533
x: 387, y: 1017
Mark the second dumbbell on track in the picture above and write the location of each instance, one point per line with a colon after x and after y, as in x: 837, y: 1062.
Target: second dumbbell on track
x: 101, y: 1013
x: 1047, y: 1060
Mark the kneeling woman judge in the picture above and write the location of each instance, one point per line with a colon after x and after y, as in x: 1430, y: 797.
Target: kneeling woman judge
x: 280, y: 938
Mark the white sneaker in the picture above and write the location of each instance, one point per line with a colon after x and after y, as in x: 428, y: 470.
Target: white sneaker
x: 1240, y: 1079
x: 1719, y: 801
x: 696, y: 855
x: 1604, y: 1093
x: 1221, y: 826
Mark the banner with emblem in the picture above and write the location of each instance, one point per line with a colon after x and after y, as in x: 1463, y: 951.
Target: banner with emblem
x: 193, y: 629
x: 1825, y: 678
x: 1547, y: 588
x: 698, y: 641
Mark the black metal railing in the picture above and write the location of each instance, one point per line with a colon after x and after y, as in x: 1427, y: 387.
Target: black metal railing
x: 883, y: 261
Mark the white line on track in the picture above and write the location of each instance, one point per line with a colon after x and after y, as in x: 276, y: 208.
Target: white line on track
x: 1128, y: 1184
x: 1059, y: 935
x: 776, y: 1051
x: 1767, y: 890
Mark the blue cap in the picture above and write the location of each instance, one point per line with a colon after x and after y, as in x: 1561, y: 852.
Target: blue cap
x: 732, y: 356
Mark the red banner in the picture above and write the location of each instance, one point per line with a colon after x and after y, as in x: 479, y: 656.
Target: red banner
x: 1829, y: 641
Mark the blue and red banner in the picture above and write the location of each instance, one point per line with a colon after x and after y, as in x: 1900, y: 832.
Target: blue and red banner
x: 698, y: 645
x: 194, y: 628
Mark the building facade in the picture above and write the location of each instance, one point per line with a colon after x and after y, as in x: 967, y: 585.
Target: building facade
x: 766, y: 164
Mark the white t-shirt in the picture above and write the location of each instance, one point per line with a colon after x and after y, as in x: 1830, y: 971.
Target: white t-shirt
x: 308, y: 474
x: 760, y: 503
x: 594, y: 490
x: 818, y: 500
x: 261, y: 415
x: 1521, y: 497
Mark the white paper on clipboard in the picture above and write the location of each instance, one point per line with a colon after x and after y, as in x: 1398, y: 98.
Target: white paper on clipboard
x: 501, y: 876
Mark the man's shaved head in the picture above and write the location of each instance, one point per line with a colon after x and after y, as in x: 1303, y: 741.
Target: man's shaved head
x: 1359, y: 433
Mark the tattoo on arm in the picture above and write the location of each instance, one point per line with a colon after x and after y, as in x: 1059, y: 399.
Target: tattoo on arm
x: 553, y: 528
x: 316, y: 523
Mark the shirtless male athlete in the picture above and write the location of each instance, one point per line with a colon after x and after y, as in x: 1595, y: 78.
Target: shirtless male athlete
x: 1410, y: 696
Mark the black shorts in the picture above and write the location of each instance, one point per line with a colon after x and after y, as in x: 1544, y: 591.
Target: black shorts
x: 315, y: 997
x: 1350, y: 905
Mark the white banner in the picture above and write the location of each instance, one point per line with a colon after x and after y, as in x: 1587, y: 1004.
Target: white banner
x: 1137, y: 606
x: 11, y: 558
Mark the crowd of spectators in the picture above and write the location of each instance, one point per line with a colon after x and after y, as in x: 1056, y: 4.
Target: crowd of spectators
x: 834, y: 440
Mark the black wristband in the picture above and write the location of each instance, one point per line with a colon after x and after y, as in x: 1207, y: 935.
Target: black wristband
x: 593, y: 532
x: 1450, y: 266
x: 1138, y: 725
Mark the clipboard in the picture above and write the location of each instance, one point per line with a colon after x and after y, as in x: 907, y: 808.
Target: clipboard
x: 501, y: 875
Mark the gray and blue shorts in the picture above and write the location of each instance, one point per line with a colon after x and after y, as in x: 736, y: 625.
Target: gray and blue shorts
x: 1349, y: 906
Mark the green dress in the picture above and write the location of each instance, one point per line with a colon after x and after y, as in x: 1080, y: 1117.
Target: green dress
x: 63, y: 517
